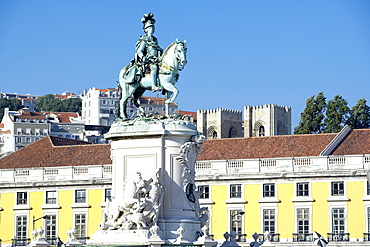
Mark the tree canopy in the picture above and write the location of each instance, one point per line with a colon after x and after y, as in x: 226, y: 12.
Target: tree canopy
x: 313, y: 115
x: 360, y: 115
x: 50, y: 103
x: 12, y: 104
x: 331, y: 117
x: 337, y: 114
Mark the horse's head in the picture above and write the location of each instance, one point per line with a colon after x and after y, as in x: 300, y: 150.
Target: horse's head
x: 180, y: 51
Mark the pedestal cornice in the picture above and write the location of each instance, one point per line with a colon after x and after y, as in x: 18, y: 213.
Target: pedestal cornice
x: 139, y: 127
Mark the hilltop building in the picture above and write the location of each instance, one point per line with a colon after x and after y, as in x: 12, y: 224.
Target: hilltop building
x: 99, y: 106
x: 29, y: 100
x: 21, y: 128
x: 220, y: 123
x: 267, y: 120
x: 289, y: 185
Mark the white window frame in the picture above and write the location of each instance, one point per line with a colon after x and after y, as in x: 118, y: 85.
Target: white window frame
x: 235, y: 208
x: 20, y: 214
x: 334, y: 205
x: 241, y: 191
x: 78, y: 212
x: 56, y: 197
x: 51, y: 213
x: 345, y: 218
x: 309, y: 208
x: 75, y: 198
x: 276, y: 218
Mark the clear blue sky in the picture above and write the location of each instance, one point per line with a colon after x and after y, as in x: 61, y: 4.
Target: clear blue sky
x: 239, y: 52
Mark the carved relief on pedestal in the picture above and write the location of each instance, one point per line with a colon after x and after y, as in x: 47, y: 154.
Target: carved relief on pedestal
x: 139, y: 207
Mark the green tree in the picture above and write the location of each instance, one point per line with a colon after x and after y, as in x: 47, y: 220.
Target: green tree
x: 49, y: 103
x: 312, y: 116
x: 72, y: 105
x: 12, y: 104
x: 337, y: 114
x: 360, y: 115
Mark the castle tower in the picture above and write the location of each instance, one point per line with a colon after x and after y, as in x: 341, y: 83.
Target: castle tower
x: 267, y: 120
x: 220, y: 123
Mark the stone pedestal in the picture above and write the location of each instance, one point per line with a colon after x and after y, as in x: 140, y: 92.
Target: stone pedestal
x: 158, y: 148
x: 39, y: 242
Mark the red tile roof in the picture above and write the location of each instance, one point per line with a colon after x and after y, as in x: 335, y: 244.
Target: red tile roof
x: 153, y: 100
x: 189, y: 113
x: 265, y: 147
x: 30, y: 115
x: 64, y: 117
x: 55, y: 151
x: 356, y: 142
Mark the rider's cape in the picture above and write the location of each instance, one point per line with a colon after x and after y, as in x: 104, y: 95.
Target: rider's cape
x: 130, y: 74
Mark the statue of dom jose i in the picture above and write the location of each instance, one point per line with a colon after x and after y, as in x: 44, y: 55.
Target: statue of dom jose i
x: 151, y: 69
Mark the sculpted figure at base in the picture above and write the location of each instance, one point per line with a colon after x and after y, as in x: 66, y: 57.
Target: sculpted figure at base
x: 151, y: 69
x: 139, y: 207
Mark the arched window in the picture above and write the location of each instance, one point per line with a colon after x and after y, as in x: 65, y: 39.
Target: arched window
x: 261, y: 131
x: 212, y: 133
x: 232, y: 132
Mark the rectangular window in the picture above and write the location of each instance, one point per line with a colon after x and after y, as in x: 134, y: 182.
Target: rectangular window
x: 204, y: 191
x: 21, y: 228
x: 51, y: 197
x: 80, y: 196
x: 269, y: 220
x: 368, y: 188
x: 80, y: 226
x: 236, y: 221
x: 337, y: 188
x: 338, y: 220
x: 268, y: 190
x: 28, y: 131
x: 19, y: 131
x: 108, y: 195
x: 302, y: 189
x: 37, y: 132
x: 45, y: 132
x: 21, y: 198
x: 51, y: 228
x: 235, y: 191
x: 303, y: 220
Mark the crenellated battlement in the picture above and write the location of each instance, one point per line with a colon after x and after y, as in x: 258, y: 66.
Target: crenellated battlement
x: 268, y: 106
x: 220, y: 110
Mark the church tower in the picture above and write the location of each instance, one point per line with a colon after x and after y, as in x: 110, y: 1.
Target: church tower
x: 220, y: 123
x: 267, y: 120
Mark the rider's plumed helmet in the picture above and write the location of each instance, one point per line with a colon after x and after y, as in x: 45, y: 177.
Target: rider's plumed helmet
x: 148, y: 20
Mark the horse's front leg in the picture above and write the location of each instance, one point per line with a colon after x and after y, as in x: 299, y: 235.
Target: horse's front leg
x: 170, y: 88
x: 123, y: 107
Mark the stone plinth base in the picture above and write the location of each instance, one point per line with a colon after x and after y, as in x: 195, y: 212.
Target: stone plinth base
x: 120, y: 237
x: 39, y: 242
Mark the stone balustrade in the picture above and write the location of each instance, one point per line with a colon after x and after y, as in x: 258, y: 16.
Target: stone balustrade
x: 55, y: 173
x: 281, y: 165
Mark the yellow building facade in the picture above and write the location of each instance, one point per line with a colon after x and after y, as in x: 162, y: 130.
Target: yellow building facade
x: 288, y: 186
x: 56, y: 206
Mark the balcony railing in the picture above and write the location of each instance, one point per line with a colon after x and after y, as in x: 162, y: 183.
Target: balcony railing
x: 274, y: 237
x: 279, y: 165
x: 366, y: 236
x: 302, y: 237
x: 20, y: 241
x: 241, y: 238
x: 338, y: 237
